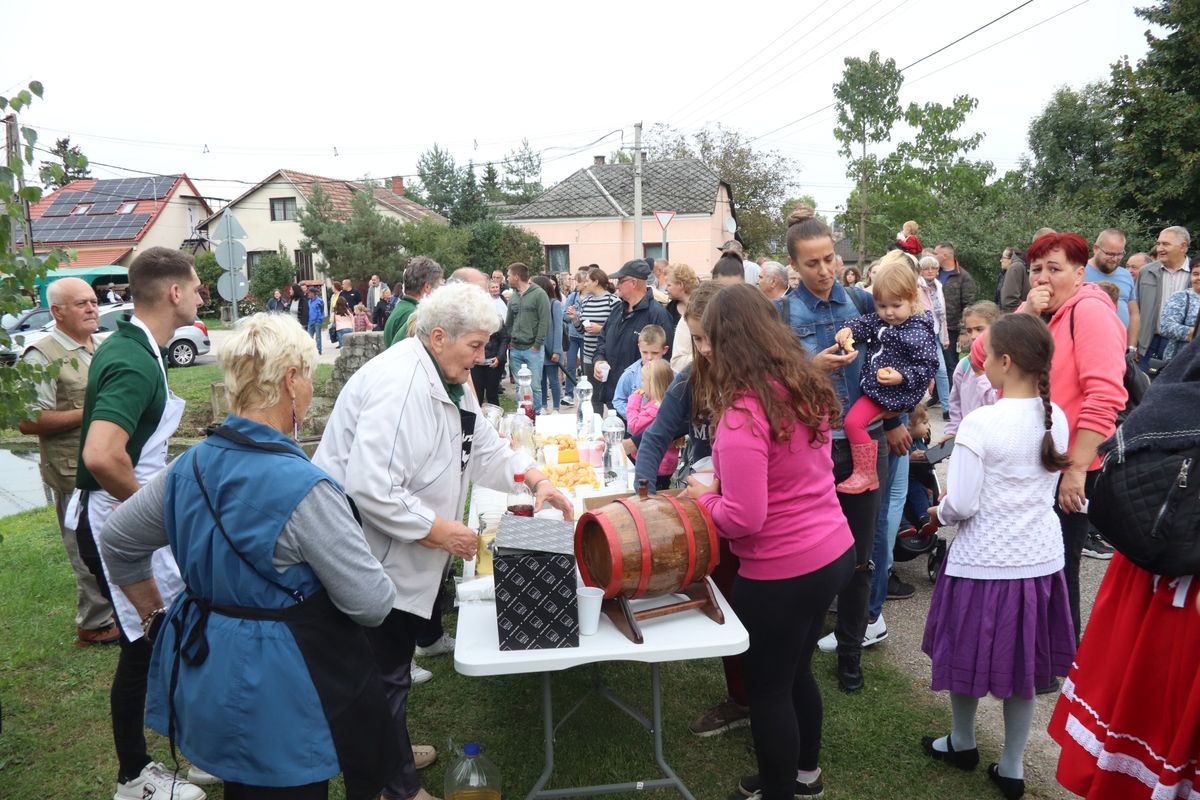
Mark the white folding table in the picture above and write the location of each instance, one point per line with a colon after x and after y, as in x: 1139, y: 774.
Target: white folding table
x: 676, y: 637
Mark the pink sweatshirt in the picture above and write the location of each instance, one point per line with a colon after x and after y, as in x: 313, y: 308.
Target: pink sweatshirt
x: 1087, y: 376
x: 777, y: 506
x: 640, y: 411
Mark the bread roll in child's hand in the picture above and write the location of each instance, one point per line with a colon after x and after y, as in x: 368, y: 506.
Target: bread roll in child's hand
x: 889, y: 377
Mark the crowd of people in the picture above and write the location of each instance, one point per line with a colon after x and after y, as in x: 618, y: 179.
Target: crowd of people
x: 271, y: 635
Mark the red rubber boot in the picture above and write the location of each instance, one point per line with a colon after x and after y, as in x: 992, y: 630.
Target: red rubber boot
x: 864, y: 478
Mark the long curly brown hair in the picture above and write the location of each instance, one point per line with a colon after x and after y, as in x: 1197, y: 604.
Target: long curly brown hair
x: 754, y: 351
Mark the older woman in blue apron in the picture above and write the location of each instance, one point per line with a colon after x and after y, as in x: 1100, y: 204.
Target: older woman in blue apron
x: 261, y: 672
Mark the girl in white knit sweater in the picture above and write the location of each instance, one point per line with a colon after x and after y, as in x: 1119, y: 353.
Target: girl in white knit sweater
x: 1000, y: 620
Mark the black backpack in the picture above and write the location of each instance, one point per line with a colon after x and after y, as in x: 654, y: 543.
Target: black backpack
x: 1146, y: 503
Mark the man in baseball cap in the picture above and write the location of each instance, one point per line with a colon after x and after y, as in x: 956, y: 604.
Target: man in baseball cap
x: 749, y: 267
x: 617, y: 346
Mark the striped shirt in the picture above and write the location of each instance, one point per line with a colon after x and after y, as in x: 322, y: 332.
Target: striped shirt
x: 595, y: 308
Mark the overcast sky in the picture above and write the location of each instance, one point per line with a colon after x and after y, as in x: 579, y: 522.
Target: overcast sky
x: 229, y: 92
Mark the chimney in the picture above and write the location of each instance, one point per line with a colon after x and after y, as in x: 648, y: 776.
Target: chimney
x: 597, y: 161
x: 398, y: 185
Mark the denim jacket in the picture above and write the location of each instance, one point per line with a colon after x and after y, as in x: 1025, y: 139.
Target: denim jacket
x: 817, y: 321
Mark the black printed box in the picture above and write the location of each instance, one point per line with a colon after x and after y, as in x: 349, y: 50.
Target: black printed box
x: 535, y: 595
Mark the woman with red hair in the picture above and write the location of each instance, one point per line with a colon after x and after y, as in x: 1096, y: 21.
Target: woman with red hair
x: 1086, y: 377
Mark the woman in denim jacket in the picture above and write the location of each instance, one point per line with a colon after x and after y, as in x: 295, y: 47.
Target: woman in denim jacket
x: 819, y: 307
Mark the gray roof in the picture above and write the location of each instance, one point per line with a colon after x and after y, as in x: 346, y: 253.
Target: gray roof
x: 685, y: 186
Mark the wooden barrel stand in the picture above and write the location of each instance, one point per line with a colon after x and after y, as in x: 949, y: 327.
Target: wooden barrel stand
x: 648, y: 547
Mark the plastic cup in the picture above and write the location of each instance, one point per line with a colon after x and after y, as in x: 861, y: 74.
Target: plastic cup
x: 550, y: 453
x: 589, y: 598
x: 706, y: 478
x: 603, y: 368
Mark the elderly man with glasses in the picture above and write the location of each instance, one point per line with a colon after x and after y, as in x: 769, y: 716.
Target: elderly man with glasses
x: 617, y: 346
x: 1156, y: 282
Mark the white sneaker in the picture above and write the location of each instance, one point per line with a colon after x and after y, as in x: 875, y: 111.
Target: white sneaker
x: 439, y: 648
x: 419, y: 674
x: 200, y: 777
x: 876, y: 633
x: 156, y: 782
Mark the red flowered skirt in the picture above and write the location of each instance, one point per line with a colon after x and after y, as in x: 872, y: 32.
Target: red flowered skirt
x: 1128, y: 719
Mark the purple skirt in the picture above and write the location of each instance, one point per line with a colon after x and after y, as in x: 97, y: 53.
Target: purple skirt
x: 999, y: 637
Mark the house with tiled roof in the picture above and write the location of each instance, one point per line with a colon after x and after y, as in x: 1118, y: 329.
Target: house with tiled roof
x: 107, y: 222
x: 268, y: 210
x: 588, y: 217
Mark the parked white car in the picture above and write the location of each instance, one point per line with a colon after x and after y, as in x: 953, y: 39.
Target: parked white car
x: 188, y: 342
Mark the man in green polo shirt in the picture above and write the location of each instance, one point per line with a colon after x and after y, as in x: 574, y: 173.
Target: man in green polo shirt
x: 129, y: 414
x: 421, y: 276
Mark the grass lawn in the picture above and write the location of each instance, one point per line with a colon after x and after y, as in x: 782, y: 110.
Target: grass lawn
x: 56, y: 724
x: 193, y: 385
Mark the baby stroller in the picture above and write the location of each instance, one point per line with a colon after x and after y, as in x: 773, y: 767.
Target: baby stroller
x: 916, y: 536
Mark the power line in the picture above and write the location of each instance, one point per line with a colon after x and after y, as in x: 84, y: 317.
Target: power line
x: 918, y: 61
x: 704, y: 95
x: 817, y: 59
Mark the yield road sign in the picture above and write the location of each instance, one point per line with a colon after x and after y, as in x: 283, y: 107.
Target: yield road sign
x: 664, y: 218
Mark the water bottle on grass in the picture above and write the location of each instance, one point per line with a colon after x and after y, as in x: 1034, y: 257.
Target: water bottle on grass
x: 472, y: 777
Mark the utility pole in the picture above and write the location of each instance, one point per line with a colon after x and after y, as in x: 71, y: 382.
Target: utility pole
x: 637, y: 190
x: 862, y: 218
x: 12, y: 154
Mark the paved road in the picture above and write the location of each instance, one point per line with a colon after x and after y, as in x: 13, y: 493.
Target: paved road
x: 328, y: 356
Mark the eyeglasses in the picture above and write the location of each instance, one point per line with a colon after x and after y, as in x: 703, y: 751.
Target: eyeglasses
x: 1111, y: 254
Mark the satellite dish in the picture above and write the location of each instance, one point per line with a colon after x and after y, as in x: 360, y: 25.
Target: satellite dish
x: 731, y: 225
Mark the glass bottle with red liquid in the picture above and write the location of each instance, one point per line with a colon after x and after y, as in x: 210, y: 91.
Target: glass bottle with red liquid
x: 520, y: 499
x: 525, y: 393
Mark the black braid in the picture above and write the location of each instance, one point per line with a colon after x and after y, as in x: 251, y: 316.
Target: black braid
x: 1052, y: 460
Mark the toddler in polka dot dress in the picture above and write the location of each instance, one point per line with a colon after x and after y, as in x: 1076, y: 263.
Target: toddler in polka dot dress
x: 900, y: 358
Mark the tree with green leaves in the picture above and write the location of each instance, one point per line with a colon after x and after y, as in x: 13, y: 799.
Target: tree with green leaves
x: 440, y: 180
x: 924, y: 175
x: 490, y: 185
x: 868, y: 105
x: 1156, y: 152
x: 20, y: 267
x: 760, y: 179
x: 357, y: 246
x: 272, y: 271
x: 72, y: 164
x: 522, y: 174
x: 1007, y: 214
x: 469, y: 203
x: 1071, y: 144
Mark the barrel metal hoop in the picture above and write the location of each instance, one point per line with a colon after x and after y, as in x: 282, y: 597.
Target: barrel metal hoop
x: 640, y: 524
x: 691, y: 538
x: 613, y: 587
x: 714, y: 547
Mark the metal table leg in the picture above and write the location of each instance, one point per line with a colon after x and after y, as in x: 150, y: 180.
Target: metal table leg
x: 672, y: 780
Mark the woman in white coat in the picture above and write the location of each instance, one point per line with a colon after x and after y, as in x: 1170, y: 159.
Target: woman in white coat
x: 422, y: 442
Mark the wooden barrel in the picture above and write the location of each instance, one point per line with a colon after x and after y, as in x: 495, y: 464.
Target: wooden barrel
x: 645, y: 547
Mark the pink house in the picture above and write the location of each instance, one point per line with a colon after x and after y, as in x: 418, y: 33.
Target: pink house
x: 588, y: 217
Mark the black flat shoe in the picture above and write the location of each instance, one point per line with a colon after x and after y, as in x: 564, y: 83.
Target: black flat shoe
x: 965, y: 760
x: 1011, y: 788
x: 849, y: 674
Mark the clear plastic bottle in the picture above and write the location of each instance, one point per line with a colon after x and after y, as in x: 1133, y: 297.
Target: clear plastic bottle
x: 614, y: 448
x: 583, y: 409
x: 472, y: 777
x: 525, y: 393
x: 520, y: 499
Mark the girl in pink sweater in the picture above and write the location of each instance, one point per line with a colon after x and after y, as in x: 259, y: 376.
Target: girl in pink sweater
x: 773, y: 499
x: 643, y: 408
